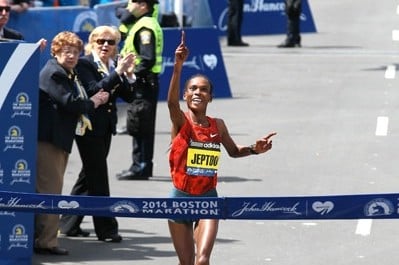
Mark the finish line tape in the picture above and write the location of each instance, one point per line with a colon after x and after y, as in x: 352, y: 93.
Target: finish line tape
x: 367, y: 206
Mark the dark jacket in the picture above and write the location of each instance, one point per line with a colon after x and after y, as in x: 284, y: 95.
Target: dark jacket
x: 12, y: 34
x: 59, y: 106
x: 105, y: 117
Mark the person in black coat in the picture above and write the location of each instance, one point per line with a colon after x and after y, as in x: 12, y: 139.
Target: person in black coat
x: 63, y: 106
x: 97, y: 71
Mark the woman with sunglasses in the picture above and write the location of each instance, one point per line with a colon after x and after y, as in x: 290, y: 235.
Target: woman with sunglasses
x: 98, y: 70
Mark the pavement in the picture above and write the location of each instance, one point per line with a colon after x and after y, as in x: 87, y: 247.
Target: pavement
x: 324, y: 100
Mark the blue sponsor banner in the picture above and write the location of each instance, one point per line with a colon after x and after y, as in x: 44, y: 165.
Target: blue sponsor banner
x: 373, y: 206
x: 19, y: 73
x: 261, y: 17
x: 365, y: 206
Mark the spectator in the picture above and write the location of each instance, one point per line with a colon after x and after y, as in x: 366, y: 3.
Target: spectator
x: 293, y: 10
x: 7, y: 33
x: 5, y: 9
x: 196, y: 134
x: 145, y: 39
x: 97, y: 71
x: 234, y: 22
x: 20, y: 6
x: 63, y: 109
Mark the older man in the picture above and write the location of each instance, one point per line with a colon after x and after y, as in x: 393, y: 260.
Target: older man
x: 7, y: 33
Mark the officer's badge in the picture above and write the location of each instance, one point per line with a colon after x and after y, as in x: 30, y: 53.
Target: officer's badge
x: 145, y: 37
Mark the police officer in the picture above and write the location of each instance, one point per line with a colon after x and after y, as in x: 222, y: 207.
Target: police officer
x: 145, y: 39
x: 293, y: 9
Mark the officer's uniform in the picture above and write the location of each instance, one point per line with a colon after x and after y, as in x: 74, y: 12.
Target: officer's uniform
x: 145, y: 39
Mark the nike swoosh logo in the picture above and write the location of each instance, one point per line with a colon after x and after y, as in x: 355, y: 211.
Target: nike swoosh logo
x: 213, y: 135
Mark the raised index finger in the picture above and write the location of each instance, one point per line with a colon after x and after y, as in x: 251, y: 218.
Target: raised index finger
x: 270, y: 135
x: 183, y: 38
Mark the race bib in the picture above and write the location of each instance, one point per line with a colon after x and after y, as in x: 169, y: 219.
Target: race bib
x: 203, y: 159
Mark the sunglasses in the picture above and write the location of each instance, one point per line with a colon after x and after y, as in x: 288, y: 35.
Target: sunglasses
x: 102, y: 41
x: 5, y: 8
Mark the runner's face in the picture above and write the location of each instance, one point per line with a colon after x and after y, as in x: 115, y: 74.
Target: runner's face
x: 197, y: 93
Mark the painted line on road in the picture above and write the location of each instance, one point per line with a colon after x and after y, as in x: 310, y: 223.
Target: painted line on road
x: 363, y: 227
x: 382, y: 126
x: 390, y: 71
x: 395, y: 35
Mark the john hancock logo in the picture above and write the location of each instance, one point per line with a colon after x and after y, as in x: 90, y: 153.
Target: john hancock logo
x: 18, y: 237
x: 21, y: 172
x: 14, y: 139
x: 22, y: 106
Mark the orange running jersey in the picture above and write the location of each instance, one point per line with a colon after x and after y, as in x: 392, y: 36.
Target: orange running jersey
x: 194, y: 157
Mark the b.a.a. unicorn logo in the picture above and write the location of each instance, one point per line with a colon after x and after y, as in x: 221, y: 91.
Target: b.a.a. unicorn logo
x: 85, y: 21
x: 14, y: 139
x: 21, y: 173
x: 378, y: 207
x: 18, y: 237
x: 22, y: 106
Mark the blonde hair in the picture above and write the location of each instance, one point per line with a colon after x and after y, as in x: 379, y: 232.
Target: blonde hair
x: 65, y: 38
x: 99, y: 31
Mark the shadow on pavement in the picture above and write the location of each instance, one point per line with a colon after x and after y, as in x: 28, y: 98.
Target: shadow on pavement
x: 132, y: 248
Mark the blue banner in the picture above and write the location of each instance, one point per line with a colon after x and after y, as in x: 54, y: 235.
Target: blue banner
x: 19, y: 68
x: 261, y: 17
x: 365, y: 206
